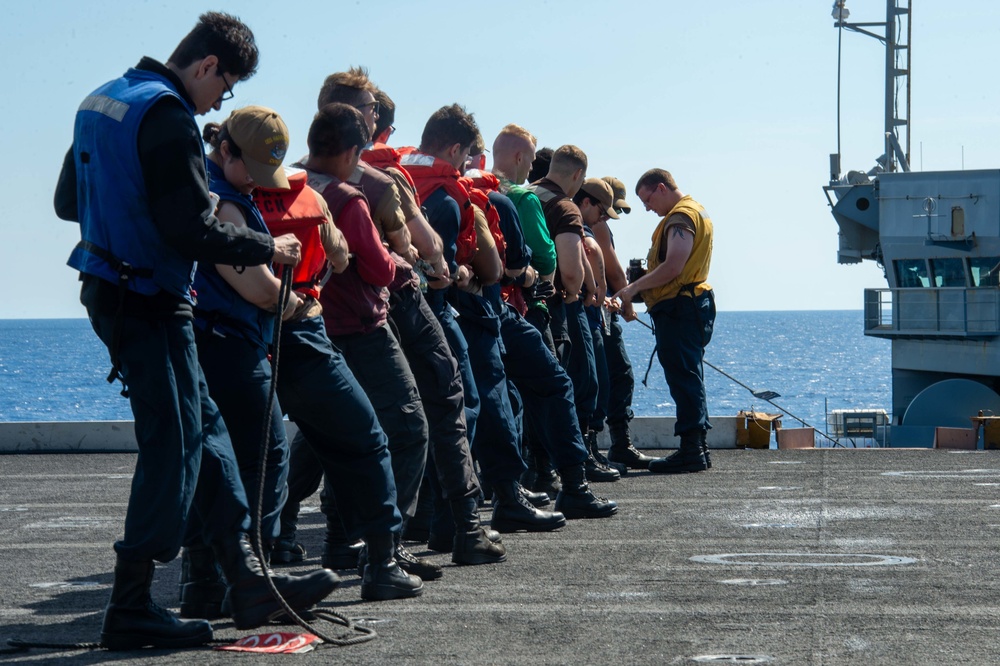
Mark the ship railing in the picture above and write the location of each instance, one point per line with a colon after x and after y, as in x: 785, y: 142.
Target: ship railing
x: 939, y: 312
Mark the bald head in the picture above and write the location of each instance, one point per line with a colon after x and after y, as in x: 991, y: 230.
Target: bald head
x: 513, y: 153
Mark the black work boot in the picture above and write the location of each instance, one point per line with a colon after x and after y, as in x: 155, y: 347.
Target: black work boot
x: 472, y: 544
x: 575, y: 499
x: 545, y: 480
x: 512, y: 512
x: 447, y: 522
x: 597, y: 472
x: 420, y: 567
x: 590, y: 439
x: 287, y: 552
x: 202, y: 586
x: 622, y: 451
x: 538, y: 500
x: 249, y: 597
x: 339, y: 551
x: 341, y: 555
x: 133, y: 621
x: 540, y: 477
x: 704, y: 449
x: 383, y: 579
x: 688, y: 458
x: 418, y: 527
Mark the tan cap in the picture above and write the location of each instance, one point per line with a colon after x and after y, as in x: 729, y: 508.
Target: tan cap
x: 262, y: 137
x: 618, y: 188
x: 601, y: 191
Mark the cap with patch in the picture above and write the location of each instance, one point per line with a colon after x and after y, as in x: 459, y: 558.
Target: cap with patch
x: 262, y: 137
x: 601, y: 191
x: 618, y: 188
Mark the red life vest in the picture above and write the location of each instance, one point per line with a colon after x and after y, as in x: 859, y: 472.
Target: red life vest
x: 480, y: 184
x: 297, y: 211
x: 485, y: 182
x: 430, y: 174
x: 385, y: 157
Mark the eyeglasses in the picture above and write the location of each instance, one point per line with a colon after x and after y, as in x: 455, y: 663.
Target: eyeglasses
x: 228, y: 95
x: 373, y: 105
x: 392, y: 130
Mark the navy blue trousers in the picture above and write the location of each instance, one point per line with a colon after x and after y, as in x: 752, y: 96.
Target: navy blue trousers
x: 445, y: 314
x: 320, y: 394
x: 622, y: 380
x: 239, y: 379
x: 497, y: 442
x: 581, y: 364
x: 545, y: 388
x: 603, y: 398
x: 683, y: 327
x: 185, y: 456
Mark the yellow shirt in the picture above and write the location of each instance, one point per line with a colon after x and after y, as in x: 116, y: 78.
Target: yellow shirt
x: 695, y: 271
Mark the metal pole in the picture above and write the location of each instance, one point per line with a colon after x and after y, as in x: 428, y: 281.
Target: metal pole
x: 890, y: 81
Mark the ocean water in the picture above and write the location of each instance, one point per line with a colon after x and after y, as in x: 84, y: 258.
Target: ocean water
x: 55, y: 369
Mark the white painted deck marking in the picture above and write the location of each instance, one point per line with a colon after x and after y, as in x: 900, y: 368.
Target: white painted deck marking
x: 818, y: 559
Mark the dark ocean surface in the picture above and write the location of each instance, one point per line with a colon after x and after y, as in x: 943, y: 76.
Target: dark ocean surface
x: 55, y: 369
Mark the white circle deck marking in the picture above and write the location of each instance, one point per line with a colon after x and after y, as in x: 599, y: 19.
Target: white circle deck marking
x: 817, y: 559
x: 779, y: 487
x: 958, y: 474
x: 732, y: 659
x: 754, y: 582
x: 73, y: 523
x: 774, y: 525
x: 9, y: 509
x: 617, y: 595
x: 986, y: 484
x: 64, y: 585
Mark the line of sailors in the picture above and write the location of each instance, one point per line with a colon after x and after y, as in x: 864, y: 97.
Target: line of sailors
x: 463, y: 348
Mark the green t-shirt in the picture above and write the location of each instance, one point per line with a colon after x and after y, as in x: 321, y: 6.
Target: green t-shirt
x: 536, y: 233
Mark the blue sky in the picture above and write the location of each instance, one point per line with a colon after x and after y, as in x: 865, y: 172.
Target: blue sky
x: 737, y: 99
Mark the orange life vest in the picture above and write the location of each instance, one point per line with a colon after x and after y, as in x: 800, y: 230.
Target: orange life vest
x: 430, y: 174
x: 386, y: 157
x: 297, y: 211
x: 485, y: 182
x: 480, y: 184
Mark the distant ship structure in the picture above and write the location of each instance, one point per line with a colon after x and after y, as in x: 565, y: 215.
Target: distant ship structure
x: 936, y: 235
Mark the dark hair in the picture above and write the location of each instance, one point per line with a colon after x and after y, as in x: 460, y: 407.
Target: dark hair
x: 447, y: 126
x: 335, y: 129
x: 345, y: 87
x: 386, y: 112
x: 580, y: 196
x: 225, y: 37
x: 214, y: 134
x: 540, y: 167
x: 654, y: 177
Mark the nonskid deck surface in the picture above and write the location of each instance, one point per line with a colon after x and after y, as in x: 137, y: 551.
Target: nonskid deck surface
x: 783, y: 557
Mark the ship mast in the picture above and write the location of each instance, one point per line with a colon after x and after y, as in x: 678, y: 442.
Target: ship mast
x: 896, y: 38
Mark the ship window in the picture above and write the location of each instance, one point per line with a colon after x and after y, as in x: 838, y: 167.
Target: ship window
x: 912, y: 273
x: 985, y: 271
x: 948, y: 272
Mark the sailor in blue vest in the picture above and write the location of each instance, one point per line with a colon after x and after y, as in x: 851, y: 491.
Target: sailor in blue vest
x: 135, y: 181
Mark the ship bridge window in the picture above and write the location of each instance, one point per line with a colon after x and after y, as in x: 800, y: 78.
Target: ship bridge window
x: 985, y: 271
x: 912, y: 273
x: 948, y: 272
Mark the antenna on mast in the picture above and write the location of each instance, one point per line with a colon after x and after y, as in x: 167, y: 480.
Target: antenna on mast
x: 897, y: 69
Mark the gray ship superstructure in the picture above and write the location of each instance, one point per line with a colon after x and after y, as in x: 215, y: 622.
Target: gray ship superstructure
x: 936, y: 234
